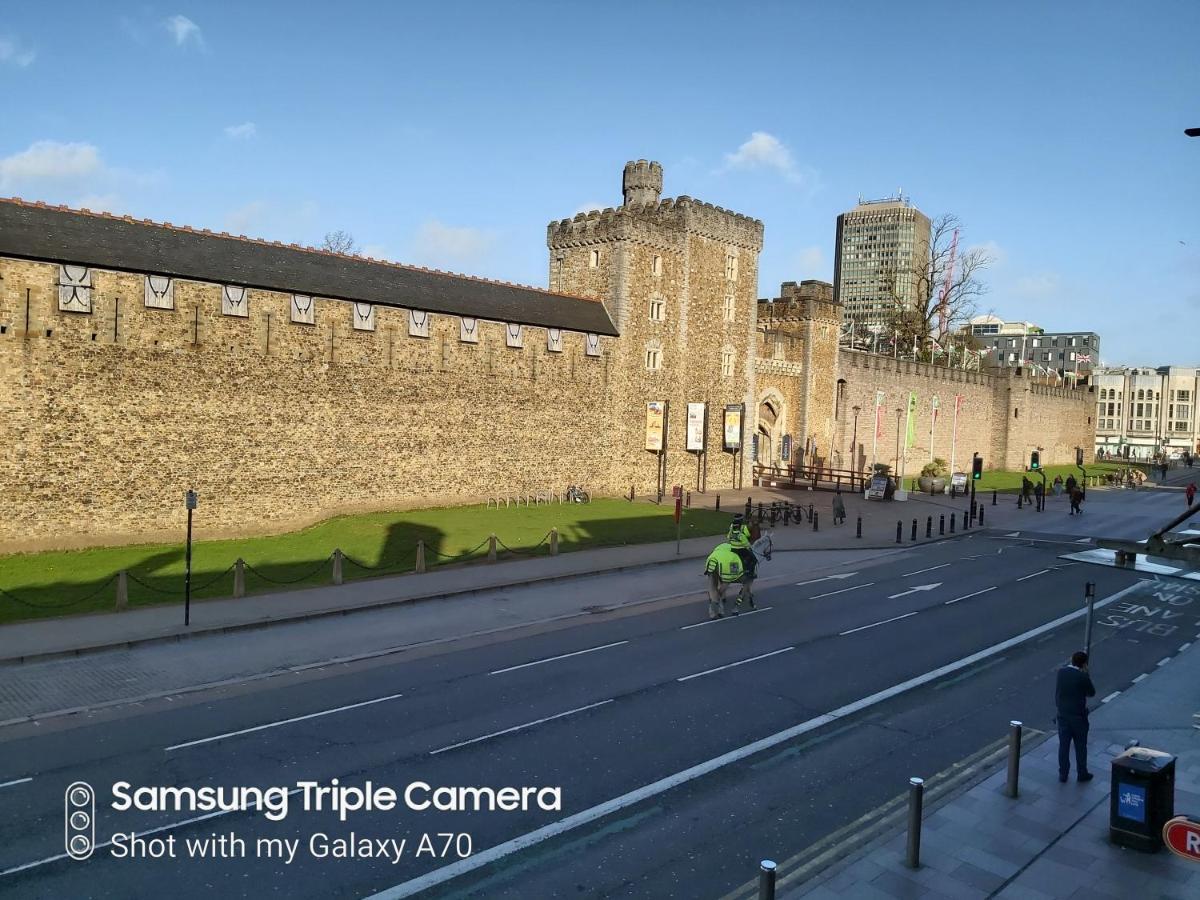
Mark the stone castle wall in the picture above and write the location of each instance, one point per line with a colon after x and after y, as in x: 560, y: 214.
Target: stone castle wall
x: 106, y: 419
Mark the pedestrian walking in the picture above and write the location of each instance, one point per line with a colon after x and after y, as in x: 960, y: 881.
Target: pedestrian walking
x: 1057, y: 486
x: 1190, y: 492
x: 1071, y: 691
x: 1026, y: 488
x: 839, y: 508
x: 1070, y: 484
x: 1039, y: 491
x: 1076, y: 501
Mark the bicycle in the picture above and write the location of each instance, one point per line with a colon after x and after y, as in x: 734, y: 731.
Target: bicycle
x: 576, y: 494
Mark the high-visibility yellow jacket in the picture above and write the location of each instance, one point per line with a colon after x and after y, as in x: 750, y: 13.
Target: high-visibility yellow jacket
x: 738, y: 537
x: 725, y: 561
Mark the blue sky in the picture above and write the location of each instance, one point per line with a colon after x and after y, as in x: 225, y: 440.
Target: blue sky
x: 449, y: 134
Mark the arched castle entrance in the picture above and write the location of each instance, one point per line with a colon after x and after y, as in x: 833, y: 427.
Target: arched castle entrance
x: 771, y: 427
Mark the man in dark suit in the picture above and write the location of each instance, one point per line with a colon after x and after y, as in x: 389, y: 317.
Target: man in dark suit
x: 1071, y: 691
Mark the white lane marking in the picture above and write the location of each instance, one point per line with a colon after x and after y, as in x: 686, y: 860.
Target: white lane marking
x: 1083, y: 541
x: 1164, y: 660
x: 15, y: 781
x: 1111, y: 696
x: 728, y: 618
x: 538, y: 662
x: 600, y: 810
x: 1013, y: 534
x: 842, y: 591
x: 326, y: 712
x: 971, y: 557
x: 1033, y: 574
x: 740, y: 662
x: 1140, y: 677
x: 826, y: 578
x: 915, y: 588
x: 569, y: 712
x: 968, y: 596
x: 930, y: 569
x: 873, y: 624
x: 212, y: 815
x: 1183, y: 647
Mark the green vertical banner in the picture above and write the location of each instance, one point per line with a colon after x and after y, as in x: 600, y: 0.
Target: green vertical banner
x: 910, y: 421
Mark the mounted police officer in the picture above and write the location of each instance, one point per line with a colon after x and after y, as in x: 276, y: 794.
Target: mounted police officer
x: 740, y: 539
x: 724, y: 566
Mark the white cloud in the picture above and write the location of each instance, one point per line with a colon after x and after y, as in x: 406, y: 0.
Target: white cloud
x: 447, y: 247
x: 184, y: 30
x: 14, y: 53
x: 586, y: 207
x: 247, y: 218
x: 765, y: 151
x: 811, y: 262
x: 50, y: 161
x: 1040, y: 286
x: 243, y: 132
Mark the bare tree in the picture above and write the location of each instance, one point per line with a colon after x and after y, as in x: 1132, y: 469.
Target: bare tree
x: 340, y: 242
x: 926, y: 305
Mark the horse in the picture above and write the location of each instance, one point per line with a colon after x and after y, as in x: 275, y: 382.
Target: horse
x: 761, y: 548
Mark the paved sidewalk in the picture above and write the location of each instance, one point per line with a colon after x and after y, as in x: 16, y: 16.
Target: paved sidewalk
x: 1052, y: 841
x: 68, y: 635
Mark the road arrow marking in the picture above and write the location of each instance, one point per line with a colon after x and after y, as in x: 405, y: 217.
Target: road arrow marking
x: 1013, y: 534
x: 1084, y: 541
x: 827, y: 578
x: 913, y: 590
x: 842, y: 591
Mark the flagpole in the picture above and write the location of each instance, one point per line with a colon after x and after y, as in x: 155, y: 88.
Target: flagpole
x: 954, y: 432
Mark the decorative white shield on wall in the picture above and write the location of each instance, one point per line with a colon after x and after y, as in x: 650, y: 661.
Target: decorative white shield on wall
x: 75, y: 289
x: 418, y: 323
x: 468, y: 330
x: 234, y: 301
x: 363, y: 315
x: 304, y: 310
x: 554, y: 340
x: 514, y: 335
x: 160, y: 292
x: 592, y: 345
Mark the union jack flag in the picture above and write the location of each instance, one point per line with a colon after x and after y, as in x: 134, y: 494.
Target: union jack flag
x: 1083, y: 357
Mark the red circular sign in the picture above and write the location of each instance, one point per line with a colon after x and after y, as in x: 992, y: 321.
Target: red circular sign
x: 1182, y: 836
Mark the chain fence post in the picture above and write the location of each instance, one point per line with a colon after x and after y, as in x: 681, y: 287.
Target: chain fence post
x: 554, y: 541
x: 337, y: 566
x: 420, y: 564
x: 239, y: 579
x: 122, y: 590
x: 491, y: 548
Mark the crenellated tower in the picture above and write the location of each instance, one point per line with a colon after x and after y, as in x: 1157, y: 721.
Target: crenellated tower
x: 680, y: 279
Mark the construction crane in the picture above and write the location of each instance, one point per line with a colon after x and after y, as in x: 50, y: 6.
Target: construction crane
x: 944, y: 299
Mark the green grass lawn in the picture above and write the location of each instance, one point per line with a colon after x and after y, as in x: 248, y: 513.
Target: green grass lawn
x: 1011, y: 481
x: 58, y: 583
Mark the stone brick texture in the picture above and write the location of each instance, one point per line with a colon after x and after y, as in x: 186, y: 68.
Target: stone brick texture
x: 107, y: 418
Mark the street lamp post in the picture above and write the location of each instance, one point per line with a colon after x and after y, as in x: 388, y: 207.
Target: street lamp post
x: 190, y: 501
x: 899, y: 410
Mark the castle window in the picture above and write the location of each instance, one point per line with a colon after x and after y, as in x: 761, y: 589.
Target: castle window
x: 233, y: 301
x: 593, y: 259
x: 362, y: 316
x: 731, y: 267
x: 653, y: 359
x: 779, y: 349
x: 75, y: 289
x: 514, y: 335
x: 656, y: 266
x: 727, y: 363
x: 658, y: 309
x: 729, y: 309
x: 160, y: 292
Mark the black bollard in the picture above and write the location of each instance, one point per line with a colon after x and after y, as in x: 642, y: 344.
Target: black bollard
x: 760, y: 512
x: 942, y: 524
x: 810, y: 512
x: 981, y: 517
x: 974, y: 510
x: 688, y: 500
x: 929, y: 527
x: 993, y: 497
x: 858, y: 530
x: 718, y: 507
x: 914, y: 531
x: 952, y: 515
x: 899, y: 532
x: 1019, y: 497
x: 749, y: 508
x: 815, y: 516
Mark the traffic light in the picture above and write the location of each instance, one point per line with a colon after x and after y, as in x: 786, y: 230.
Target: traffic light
x: 1079, y: 457
x: 1035, y: 460
x: 977, y: 468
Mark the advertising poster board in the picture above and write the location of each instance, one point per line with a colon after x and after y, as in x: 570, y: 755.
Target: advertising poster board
x: 733, y: 427
x: 656, y: 413
x: 696, y: 432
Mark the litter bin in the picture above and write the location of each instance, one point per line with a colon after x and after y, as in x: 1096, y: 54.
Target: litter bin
x: 1142, y: 798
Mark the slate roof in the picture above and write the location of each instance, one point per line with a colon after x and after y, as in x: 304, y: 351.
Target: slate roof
x: 44, y: 233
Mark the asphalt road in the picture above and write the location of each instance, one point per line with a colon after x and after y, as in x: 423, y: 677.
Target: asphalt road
x: 684, y: 750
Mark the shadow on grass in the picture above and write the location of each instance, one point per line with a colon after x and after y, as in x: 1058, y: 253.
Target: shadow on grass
x: 156, y: 578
